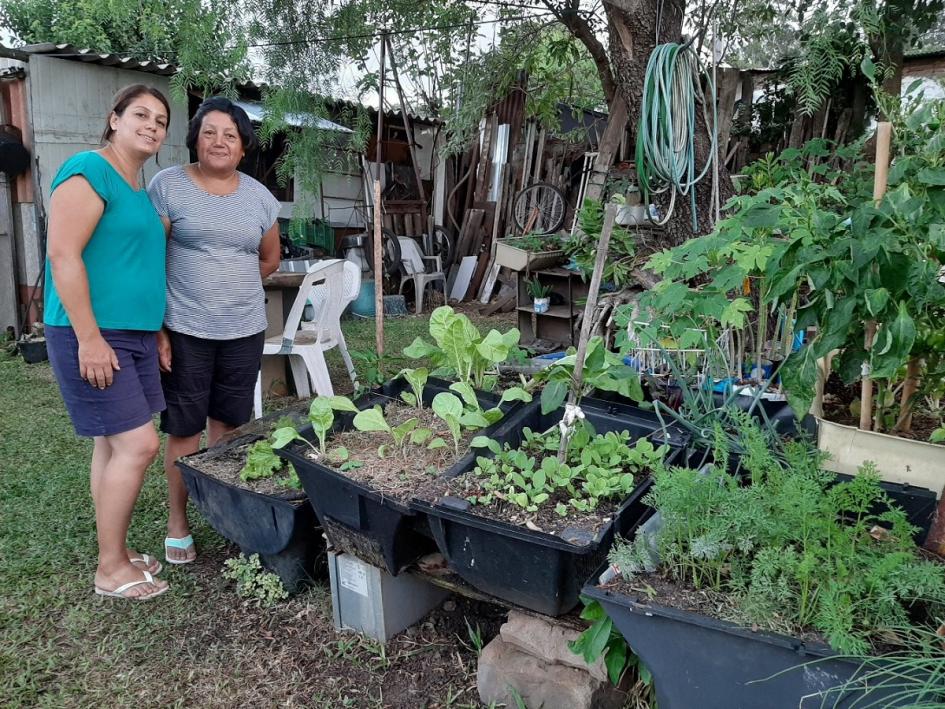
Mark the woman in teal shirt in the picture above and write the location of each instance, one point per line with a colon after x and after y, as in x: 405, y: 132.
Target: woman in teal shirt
x: 104, y: 303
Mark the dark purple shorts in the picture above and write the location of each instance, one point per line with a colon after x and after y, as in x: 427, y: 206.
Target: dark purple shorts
x: 135, y: 394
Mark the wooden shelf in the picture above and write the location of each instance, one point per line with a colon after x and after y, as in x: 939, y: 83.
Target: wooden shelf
x: 555, y: 311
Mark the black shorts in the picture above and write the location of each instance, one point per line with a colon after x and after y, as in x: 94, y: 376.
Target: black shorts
x: 209, y: 379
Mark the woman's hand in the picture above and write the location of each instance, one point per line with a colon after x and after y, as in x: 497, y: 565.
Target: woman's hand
x: 97, y: 361
x: 164, y: 350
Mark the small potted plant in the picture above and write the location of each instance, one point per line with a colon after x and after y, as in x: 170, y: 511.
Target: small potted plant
x: 540, y: 295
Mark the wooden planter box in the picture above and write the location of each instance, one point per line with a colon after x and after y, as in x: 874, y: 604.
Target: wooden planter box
x: 509, y: 254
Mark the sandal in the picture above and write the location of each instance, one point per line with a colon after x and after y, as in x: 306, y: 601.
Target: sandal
x: 182, y: 543
x: 121, y: 591
x: 147, y: 560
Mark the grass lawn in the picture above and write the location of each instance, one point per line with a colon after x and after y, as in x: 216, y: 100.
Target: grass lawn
x: 200, y: 644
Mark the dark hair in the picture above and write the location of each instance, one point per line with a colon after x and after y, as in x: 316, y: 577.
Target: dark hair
x: 124, y: 97
x: 223, y: 105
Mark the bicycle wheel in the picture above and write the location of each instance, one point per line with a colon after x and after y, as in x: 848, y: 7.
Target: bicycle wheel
x: 442, y: 246
x: 539, y: 209
x: 390, y: 251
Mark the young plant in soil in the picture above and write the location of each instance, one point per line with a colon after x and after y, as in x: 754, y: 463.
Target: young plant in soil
x: 600, y: 471
x: 461, y: 351
x: 321, y: 414
x: 262, y: 463
x: 788, y: 549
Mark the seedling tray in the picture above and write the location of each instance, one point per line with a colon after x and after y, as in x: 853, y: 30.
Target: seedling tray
x: 697, y: 661
x: 359, y: 519
x: 509, y: 254
x: 535, y: 570
x: 281, y: 529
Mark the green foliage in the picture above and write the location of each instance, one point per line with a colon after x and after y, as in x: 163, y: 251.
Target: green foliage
x: 536, y: 289
x: 461, y: 351
x: 201, y: 37
x: 260, y: 587
x: 417, y: 378
x: 582, y: 246
x: 263, y: 463
x: 321, y: 416
x: 603, y: 370
x: 375, y: 368
x: 602, y: 638
x: 792, y: 547
x: 597, y: 467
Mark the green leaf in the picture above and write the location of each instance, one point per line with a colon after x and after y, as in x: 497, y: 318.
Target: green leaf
x: 440, y: 320
x: 932, y: 176
x: 938, y: 435
x: 599, y: 634
x: 868, y: 68
x: 486, y: 442
x: 493, y: 348
x: 436, y: 443
x: 456, y: 347
x: 371, y: 420
x: 900, y: 337
x: 420, y: 349
x: 409, y: 398
x: 762, y: 216
x: 446, y: 405
x: 420, y: 436
x: 340, y: 403
x: 465, y: 390
x: 876, y: 300
x: 281, y: 437
x: 515, y: 394
x: 734, y: 313
x: 339, y: 454
x: 553, y: 395
x: 616, y: 660
x: 799, y: 376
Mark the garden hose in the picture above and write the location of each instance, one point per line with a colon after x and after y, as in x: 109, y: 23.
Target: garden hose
x: 665, y: 152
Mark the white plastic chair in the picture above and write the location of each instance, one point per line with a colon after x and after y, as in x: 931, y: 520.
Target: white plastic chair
x: 306, y: 348
x: 318, y: 299
x: 413, y: 268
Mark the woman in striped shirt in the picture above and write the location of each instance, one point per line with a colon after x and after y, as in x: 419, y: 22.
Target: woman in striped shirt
x: 223, y: 239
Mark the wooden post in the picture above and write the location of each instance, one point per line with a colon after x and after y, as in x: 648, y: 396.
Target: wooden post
x: 610, y: 217
x: 378, y: 215
x: 883, y: 135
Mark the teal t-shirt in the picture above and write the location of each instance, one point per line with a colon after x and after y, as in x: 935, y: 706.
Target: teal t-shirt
x: 124, y: 259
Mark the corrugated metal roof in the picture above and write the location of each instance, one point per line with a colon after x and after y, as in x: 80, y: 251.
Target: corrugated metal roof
x: 69, y: 51
x: 925, y: 52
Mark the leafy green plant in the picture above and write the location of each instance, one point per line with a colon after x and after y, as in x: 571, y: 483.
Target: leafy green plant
x: 582, y: 246
x: 536, y: 289
x: 321, y: 414
x: 603, y: 370
x: 262, y: 588
x: 794, y: 548
x: 374, y: 371
x: 262, y: 462
x: 597, y: 467
x: 401, y: 435
x: 460, y: 349
x: 417, y: 378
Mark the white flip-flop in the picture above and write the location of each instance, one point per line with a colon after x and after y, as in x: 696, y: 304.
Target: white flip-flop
x: 120, y: 591
x: 146, y: 559
x: 182, y: 543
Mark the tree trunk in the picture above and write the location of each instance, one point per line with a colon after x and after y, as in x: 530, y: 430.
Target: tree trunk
x: 632, y: 26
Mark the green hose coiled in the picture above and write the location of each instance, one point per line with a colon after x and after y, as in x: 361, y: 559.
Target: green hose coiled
x: 665, y: 152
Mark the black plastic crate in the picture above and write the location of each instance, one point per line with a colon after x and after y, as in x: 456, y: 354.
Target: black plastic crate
x: 535, y: 570
x: 282, y: 529
x: 357, y: 518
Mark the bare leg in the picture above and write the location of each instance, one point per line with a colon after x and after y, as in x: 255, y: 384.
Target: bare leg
x: 101, y: 454
x: 117, y: 482
x: 216, y: 430
x: 177, y: 526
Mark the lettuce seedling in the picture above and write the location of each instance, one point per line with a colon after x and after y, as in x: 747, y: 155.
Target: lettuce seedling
x: 321, y: 415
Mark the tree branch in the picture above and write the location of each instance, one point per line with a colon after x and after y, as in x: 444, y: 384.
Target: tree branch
x: 582, y: 31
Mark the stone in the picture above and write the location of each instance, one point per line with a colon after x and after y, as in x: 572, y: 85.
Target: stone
x: 548, y: 640
x: 449, y: 606
x: 540, y: 684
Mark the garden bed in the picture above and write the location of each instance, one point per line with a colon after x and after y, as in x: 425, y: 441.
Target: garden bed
x: 226, y: 463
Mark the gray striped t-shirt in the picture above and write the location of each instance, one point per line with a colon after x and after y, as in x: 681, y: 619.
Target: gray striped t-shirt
x: 214, y: 289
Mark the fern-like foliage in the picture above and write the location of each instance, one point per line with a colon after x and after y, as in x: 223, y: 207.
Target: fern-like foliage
x: 797, y: 549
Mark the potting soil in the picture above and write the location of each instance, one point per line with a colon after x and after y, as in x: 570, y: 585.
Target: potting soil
x: 225, y: 464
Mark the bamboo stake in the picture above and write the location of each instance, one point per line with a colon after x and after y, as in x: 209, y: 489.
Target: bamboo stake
x: 883, y: 135
x: 610, y: 217
x: 378, y: 215
x: 909, y: 388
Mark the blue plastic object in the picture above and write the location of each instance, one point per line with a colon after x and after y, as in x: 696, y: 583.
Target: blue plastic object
x: 363, y: 305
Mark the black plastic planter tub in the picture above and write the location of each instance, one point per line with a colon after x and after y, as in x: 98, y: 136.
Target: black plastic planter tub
x: 538, y: 571
x: 281, y: 529
x: 697, y: 661
x: 357, y: 518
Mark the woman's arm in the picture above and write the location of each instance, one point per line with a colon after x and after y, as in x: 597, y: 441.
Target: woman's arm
x: 269, y: 251
x: 74, y: 212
